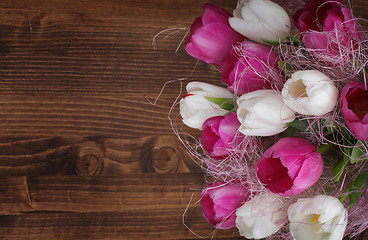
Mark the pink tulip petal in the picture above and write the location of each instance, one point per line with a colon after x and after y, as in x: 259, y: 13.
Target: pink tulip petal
x: 208, y: 209
x: 250, y: 67
x: 273, y: 174
x: 219, y: 150
x: 209, y: 139
x: 214, y: 13
x: 334, y: 22
x: 293, y: 164
x: 292, y: 146
x: 285, y: 168
x: 305, y: 21
x: 221, y: 212
x: 197, y: 24
x: 228, y: 128
x: 211, y: 36
x: 231, y: 201
x: 218, y: 135
x: 228, y: 223
x: 206, y: 41
x: 333, y: 19
x: 219, y: 202
x: 351, y: 26
x: 309, y: 173
x: 315, y: 40
x: 359, y: 130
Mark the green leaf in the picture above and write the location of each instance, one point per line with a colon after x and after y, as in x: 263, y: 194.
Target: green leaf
x: 358, y: 151
x: 301, y: 125
x: 355, y: 188
x: 295, y: 40
x: 270, y: 41
x: 330, y: 126
x: 338, y: 169
x: 324, y: 147
x: 224, y: 103
x: 231, y: 111
x: 342, y: 198
x: 284, y: 66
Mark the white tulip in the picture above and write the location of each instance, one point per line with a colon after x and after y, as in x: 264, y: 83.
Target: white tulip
x: 261, y: 216
x: 263, y: 113
x: 310, y: 92
x: 195, y: 108
x: 321, y: 217
x: 261, y: 20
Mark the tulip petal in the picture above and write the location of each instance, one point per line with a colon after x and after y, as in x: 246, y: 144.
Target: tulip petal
x: 219, y: 202
x: 214, y: 13
x: 208, y: 209
x: 315, y: 40
x: 333, y: 19
x: 273, y: 174
x: 228, y: 128
x: 209, y: 136
x: 205, y: 42
x: 309, y: 173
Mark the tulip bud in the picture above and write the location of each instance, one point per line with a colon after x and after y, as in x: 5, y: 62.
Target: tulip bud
x: 262, y: 21
x: 219, y: 135
x: 219, y: 202
x: 195, y: 108
x: 320, y: 217
x: 250, y: 66
x: 289, y: 166
x: 327, y: 27
x: 261, y: 216
x: 211, y: 36
x: 310, y: 92
x: 263, y: 113
x: 354, y: 108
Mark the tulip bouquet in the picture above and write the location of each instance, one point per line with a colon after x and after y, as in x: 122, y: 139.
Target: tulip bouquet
x: 284, y: 140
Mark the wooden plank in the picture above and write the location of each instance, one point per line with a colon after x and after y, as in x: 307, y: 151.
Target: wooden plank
x: 132, y: 207
x: 97, y: 193
x: 94, y: 156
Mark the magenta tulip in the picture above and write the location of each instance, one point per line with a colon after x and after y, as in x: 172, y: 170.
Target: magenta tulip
x: 354, y: 108
x: 211, y: 35
x: 249, y: 67
x: 327, y: 25
x: 290, y: 166
x: 219, y: 135
x: 219, y: 202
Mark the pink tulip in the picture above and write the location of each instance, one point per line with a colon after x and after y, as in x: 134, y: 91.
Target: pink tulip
x: 354, y: 108
x: 219, y: 202
x: 211, y: 35
x: 327, y: 25
x: 290, y: 166
x: 249, y: 67
x: 219, y: 135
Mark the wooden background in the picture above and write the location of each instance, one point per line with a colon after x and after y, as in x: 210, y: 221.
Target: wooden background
x: 83, y: 153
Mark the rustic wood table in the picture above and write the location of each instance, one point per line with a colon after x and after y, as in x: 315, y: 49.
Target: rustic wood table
x: 86, y: 147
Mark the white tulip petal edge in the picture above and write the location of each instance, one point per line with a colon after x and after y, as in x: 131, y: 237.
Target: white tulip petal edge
x: 195, y: 108
x: 263, y: 113
x: 321, y: 217
x: 310, y: 92
x: 261, y: 216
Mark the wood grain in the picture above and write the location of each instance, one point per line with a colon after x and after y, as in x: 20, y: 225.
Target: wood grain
x: 103, y: 207
x: 84, y: 152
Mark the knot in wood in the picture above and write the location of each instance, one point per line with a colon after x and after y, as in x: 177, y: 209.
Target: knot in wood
x: 166, y: 159
x: 89, y: 161
x: 87, y: 165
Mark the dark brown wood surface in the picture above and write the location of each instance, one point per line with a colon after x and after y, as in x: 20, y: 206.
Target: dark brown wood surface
x: 84, y: 154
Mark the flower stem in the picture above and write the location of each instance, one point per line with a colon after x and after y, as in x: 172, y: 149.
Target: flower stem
x: 324, y: 147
